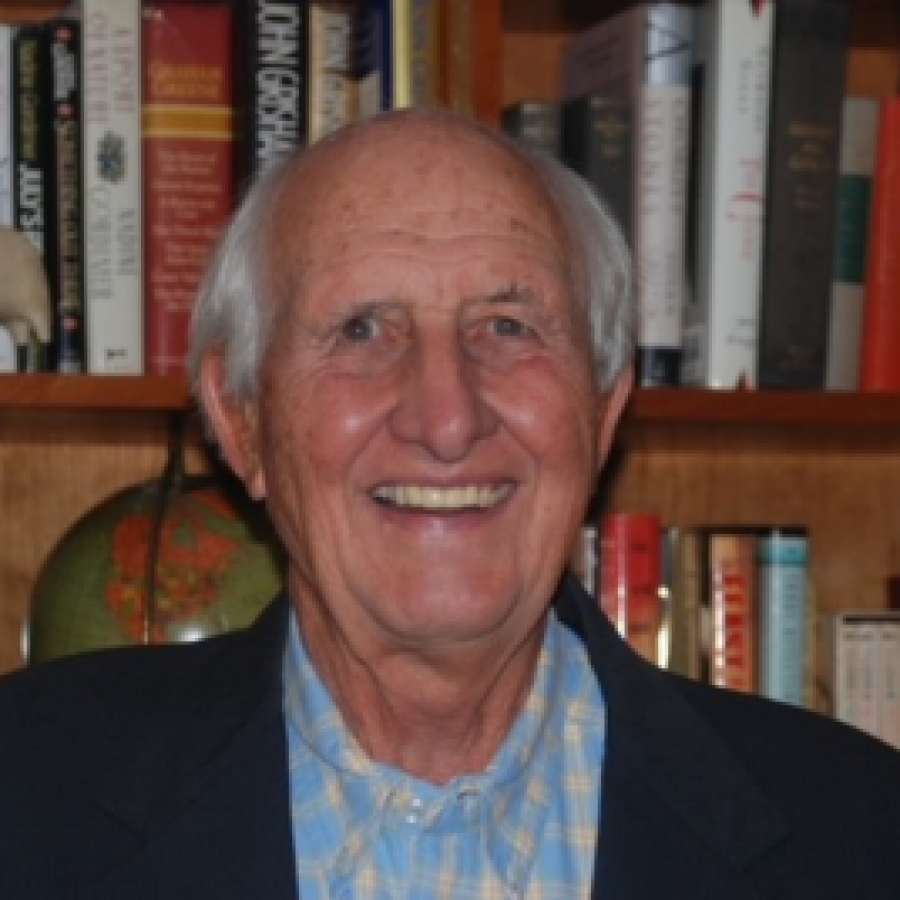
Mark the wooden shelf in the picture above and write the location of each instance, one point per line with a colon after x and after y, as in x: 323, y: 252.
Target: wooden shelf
x: 94, y: 392
x: 684, y: 407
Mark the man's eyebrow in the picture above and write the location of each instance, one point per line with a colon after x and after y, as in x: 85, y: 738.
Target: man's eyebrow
x: 513, y: 293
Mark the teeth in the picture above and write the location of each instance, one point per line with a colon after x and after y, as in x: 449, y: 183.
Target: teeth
x: 411, y: 496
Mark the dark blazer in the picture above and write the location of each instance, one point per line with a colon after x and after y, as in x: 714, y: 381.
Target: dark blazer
x: 162, y: 773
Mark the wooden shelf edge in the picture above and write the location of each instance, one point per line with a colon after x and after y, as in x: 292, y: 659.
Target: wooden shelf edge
x: 95, y: 392
x: 785, y: 409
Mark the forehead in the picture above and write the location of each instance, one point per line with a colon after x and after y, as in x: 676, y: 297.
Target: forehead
x: 413, y: 183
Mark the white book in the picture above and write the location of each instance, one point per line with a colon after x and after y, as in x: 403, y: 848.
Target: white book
x: 731, y: 80
x: 859, y: 131
x: 330, y: 67
x: 6, y: 130
x: 889, y: 682
x: 113, y: 184
x: 8, y: 356
x: 643, y: 54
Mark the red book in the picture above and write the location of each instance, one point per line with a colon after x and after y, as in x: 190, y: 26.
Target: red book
x: 880, y: 361
x: 631, y: 577
x: 188, y: 119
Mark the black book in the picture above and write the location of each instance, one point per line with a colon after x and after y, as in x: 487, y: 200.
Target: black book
x: 535, y: 124
x: 597, y: 142
x: 807, y: 92
x: 271, y: 85
x: 66, y: 277
x: 32, y: 172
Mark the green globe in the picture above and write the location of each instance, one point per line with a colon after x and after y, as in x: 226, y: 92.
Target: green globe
x: 206, y: 550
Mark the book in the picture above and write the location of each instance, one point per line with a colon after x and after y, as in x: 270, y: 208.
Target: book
x: 9, y: 361
x: 65, y: 272
x: 631, y: 577
x: 683, y: 577
x: 598, y: 144
x: 643, y: 55
x: 726, y: 194
x: 112, y: 182
x: 859, y: 131
x: 807, y: 93
x: 32, y: 146
x: 732, y: 610
x: 866, y: 654
x: 535, y: 124
x: 270, y: 59
x: 6, y: 123
x: 782, y: 579
x: 188, y: 135
x: 426, y: 53
x: 458, y: 56
x: 331, y: 69
x: 880, y: 362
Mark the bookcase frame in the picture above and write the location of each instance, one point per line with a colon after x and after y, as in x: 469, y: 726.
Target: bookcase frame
x: 830, y: 461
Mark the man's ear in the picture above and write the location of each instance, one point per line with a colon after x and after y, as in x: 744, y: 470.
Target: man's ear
x: 609, y: 411
x: 234, y: 424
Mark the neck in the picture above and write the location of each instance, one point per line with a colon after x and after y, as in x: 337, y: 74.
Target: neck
x: 436, y: 715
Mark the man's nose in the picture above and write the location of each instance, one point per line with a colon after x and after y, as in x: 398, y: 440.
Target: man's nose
x: 442, y: 404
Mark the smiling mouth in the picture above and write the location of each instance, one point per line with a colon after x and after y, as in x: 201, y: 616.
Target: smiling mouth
x: 453, y: 499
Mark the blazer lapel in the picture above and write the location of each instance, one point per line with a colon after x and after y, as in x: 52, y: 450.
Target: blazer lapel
x: 680, y: 815
x: 211, y: 799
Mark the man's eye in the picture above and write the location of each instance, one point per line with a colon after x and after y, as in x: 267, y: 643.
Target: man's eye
x: 505, y: 326
x: 360, y: 328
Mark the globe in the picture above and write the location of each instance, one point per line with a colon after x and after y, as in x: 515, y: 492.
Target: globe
x: 155, y: 563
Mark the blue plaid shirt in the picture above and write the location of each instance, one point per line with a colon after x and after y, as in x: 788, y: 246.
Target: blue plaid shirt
x: 526, y: 827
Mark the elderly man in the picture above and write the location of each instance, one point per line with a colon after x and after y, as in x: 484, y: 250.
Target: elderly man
x: 414, y: 346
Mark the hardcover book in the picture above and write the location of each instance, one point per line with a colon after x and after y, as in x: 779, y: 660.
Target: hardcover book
x: 270, y: 59
x: 6, y: 124
x: 66, y: 277
x: 631, y: 578
x: 683, y: 561
x: 643, y: 55
x: 783, y: 572
x: 331, y: 68
x: 112, y: 182
x: 731, y: 574
x: 880, y: 366
x: 535, y: 124
x: 859, y: 131
x: 809, y: 59
x: 598, y: 144
x: 726, y: 193
x: 188, y: 163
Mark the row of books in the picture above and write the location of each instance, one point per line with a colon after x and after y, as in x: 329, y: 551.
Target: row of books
x: 132, y: 126
x: 731, y: 606
x: 758, y: 198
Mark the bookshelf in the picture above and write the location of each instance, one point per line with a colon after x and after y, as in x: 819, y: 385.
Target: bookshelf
x: 831, y: 461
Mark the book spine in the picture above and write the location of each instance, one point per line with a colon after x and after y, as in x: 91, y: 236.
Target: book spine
x: 112, y: 183
x: 457, y: 56
x: 535, y: 124
x: 809, y: 59
x: 889, y: 681
x: 643, y: 55
x: 67, y: 276
x: 684, y: 582
x: 859, y: 131
x: 732, y: 602
x: 597, y: 143
x: 188, y: 135
x: 726, y: 193
x: 880, y: 364
x: 270, y: 82
x: 426, y: 87
x: 6, y: 124
x: 783, y: 564
x: 330, y: 67
x: 33, y: 189
x: 631, y: 578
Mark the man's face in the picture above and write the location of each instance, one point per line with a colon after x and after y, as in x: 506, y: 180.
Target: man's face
x: 427, y: 419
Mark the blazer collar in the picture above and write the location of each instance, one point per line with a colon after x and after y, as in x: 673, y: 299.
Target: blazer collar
x: 676, y: 801
x: 211, y: 797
